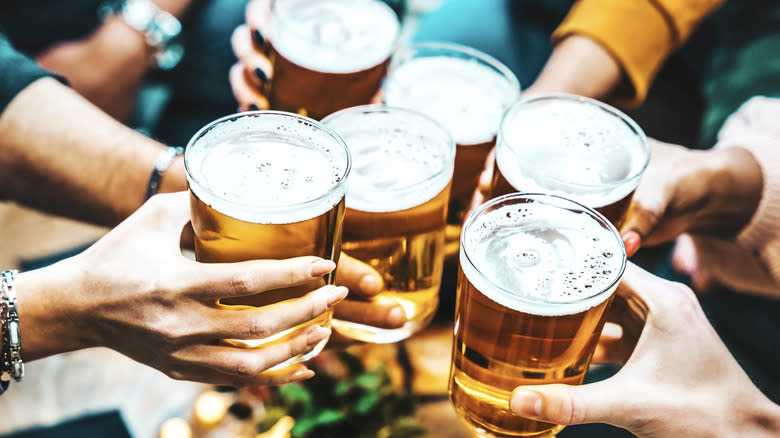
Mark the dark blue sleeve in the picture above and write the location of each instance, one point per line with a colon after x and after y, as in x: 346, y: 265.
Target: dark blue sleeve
x: 17, y: 71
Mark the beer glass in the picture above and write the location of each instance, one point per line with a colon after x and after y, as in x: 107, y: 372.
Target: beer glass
x: 268, y: 185
x: 328, y: 54
x: 571, y: 146
x: 537, y: 273
x: 464, y: 89
x: 396, y: 209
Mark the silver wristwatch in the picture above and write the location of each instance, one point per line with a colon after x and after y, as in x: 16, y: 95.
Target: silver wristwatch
x: 160, y: 28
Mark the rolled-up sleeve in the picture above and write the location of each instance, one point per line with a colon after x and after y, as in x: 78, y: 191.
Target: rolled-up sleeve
x: 639, y: 34
x: 17, y: 71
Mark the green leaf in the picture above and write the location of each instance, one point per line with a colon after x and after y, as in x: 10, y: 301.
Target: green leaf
x: 326, y: 417
x: 367, y: 403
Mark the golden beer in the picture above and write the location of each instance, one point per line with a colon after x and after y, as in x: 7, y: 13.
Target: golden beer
x: 328, y: 54
x: 465, y: 90
x: 537, y: 274
x: 396, y: 209
x: 268, y: 185
x: 574, y: 147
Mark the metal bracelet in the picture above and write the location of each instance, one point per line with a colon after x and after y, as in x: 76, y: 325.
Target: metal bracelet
x: 162, y: 164
x: 12, y: 342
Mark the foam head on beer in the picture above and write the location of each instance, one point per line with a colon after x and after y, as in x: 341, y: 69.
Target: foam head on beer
x: 334, y: 36
x: 401, y: 159
x: 572, y: 147
x: 463, y: 89
x: 541, y: 258
x: 267, y: 170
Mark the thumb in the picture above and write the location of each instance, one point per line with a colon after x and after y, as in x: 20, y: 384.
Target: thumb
x: 644, y: 214
x: 562, y: 404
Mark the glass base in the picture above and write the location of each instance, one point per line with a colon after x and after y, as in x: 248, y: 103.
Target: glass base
x: 481, y: 431
x: 374, y: 335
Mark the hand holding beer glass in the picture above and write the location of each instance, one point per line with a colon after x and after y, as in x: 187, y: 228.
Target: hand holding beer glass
x: 313, y: 57
x: 537, y: 274
x: 396, y: 209
x: 573, y: 147
x: 268, y: 185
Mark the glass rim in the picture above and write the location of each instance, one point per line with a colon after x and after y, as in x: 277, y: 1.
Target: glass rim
x: 451, y: 47
x: 603, y: 221
x: 382, y: 108
x: 586, y: 100
x: 275, y: 13
x: 254, y: 207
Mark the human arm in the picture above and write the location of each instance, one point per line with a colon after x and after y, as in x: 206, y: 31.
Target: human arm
x: 635, y: 37
x: 679, y: 380
x: 108, y: 66
x: 727, y: 198
x: 134, y: 292
x: 67, y: 157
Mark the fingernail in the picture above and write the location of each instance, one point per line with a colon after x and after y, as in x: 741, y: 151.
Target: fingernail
x: 253, y: 107
x: 321, y: 267
x: 396, y: 317
x: 370, y: 284
x: 261, y: 74
x: 258, y: 38
x: 632, y: 241
x: 336, y: 294
x: 317, y: 333
x: 302, y: 375
x: 526, y: 404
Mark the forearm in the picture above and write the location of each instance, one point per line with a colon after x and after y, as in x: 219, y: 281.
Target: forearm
x: 48, y: 319
x: 62, y: 155
x: 579, y: 65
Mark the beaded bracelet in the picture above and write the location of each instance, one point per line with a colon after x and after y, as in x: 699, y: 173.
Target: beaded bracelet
x: 12, y: 364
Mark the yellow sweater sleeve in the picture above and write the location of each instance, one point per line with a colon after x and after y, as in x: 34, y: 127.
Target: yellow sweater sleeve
x: 639, y: 34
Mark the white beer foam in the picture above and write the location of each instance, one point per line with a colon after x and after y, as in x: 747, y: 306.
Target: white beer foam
x: 399, y: 161
x: 571, y: 149
x: 334, y: 36
x: 267, y: 171
x: 541, y: 259
x: 465, y: 96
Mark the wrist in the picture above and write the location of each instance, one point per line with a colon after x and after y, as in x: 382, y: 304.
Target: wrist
x: 49, y: 315
x: 174, y: 179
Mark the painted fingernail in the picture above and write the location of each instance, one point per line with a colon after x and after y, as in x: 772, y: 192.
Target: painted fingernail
x: 336, y: 294
x: 261, y: 74
x: 632, y: 241
x: 253, y: 107
x: 317, y: 333
x: 321, y: 267
x: 370, y: 284
x: 258, y: 38
x: 526, y: 403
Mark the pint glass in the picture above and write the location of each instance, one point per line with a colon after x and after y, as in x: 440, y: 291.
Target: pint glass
x: 396, y: 209
x: 573, y: 147
x: 537, y: 273
x: 268, y: 185
x: 328, y: 54
x: 464, y: 89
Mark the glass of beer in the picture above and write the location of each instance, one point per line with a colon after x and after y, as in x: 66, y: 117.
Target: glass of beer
x: 328, y: 54
x: 537, y: 273
x: 268, y: 185
x: 574, y: 147
x: 396, y: 209
x: 464, y: 89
